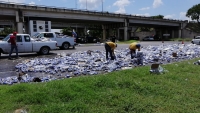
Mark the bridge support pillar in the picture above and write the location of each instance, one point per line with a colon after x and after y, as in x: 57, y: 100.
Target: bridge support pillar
x: 125, y: 29
x: 118, y: 33
x: 173, y: 34
x: 110, y: 32
x: 85, y: 32
x: 20, y: 27
x: 180, y: 30
x: 160, y: 33
x: 180, y: 33
x: 104, y: 32
x: 133, y: 29
x: 20, y: 21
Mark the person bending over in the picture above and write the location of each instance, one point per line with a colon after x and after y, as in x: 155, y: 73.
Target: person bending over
x: 133, y: 46
x: 109, y: 47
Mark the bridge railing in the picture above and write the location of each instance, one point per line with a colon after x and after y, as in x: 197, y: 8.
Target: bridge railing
x: 105, y: 13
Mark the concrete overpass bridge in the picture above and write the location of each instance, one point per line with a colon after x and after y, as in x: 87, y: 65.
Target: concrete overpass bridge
x: 19, y: 15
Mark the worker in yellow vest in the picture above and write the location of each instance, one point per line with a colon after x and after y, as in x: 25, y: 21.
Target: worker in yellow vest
x: 133, y: 46
x: 109, y: 47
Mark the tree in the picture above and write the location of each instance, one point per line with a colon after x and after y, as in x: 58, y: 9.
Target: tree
x: 67, y: 31
x: 95, y: 30
x: 144, y: 29
x: 158, y: 17
x: 194, y: 13
x: 6, y: 31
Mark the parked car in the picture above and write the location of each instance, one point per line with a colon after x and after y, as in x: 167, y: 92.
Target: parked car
x: 156, y: 37
x: 196, y: 40
x: 81, y: 40
x: 92, y: 39
x: 148, y: 38
x: 134, y: 38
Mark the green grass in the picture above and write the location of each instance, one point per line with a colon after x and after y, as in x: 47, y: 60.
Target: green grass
x: 127, y: 42
x: 181, y: 39
x: 134, y: 90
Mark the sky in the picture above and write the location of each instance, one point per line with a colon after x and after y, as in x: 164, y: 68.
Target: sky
x: 171, y: 9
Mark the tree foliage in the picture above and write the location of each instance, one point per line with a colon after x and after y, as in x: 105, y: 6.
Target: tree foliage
x: 6, y: 31
x: 158, y: 17
x: 194, y: 13
x: 95, y: 30
x: 67, y: 31
x: 144, y: 29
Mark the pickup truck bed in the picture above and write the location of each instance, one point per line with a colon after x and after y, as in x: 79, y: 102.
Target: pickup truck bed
x: 63, y: 42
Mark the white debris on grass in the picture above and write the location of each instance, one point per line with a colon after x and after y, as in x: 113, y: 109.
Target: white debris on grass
x: 82, y: 63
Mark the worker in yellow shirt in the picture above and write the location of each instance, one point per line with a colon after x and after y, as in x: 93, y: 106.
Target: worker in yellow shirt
x: 133, y: 46
x: 109, y: 47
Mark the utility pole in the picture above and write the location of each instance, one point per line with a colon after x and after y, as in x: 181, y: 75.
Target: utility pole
x: 86, y: 5
x: 102, y: 5
x: 76, y: 4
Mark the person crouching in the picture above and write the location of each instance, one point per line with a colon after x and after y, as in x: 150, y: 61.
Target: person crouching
x: 109, y: 47
x: 133, y: 46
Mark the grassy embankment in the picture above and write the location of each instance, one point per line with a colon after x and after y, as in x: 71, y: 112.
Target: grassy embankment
x: 134, y: 90
x: 127, y: 42
x: 181, y: 39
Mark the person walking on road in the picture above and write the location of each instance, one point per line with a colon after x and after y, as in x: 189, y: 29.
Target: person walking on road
x: 133, y: 46
x: 109, y: 47
x: 13, y: 45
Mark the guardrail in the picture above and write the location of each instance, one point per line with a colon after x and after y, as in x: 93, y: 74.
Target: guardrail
x: 105, y: 13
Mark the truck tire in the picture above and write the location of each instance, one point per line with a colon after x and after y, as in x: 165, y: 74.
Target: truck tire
x: 44, y: 50
x: 65, y: 45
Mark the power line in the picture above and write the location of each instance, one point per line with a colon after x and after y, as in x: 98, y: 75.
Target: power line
x: 76, y: 4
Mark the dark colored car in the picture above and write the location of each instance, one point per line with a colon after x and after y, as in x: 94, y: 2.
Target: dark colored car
x: 81, y: 40
x: 134, y: 38
x: 148, y: 38
x: 156, y: 37
x: 92, y: 39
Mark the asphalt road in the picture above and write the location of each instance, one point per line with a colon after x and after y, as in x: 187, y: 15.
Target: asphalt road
x: 7, y: 67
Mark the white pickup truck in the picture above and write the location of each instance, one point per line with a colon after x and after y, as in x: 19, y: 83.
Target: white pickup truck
x: 26, y: 45
x: 63, y: 42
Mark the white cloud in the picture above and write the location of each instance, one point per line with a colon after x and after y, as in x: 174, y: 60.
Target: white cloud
x: 145, y: 8
x: 16, y: 1
x: 121, y: 10
x: 121, y: 5
x: 170, y: 16
x: 145, y: 14
x: 182, y: 16
x: 157, y: 3
x: 90, y: 4
x: 32, y: 2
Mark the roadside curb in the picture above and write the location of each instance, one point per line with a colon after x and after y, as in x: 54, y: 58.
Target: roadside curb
x: 100, y: 44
